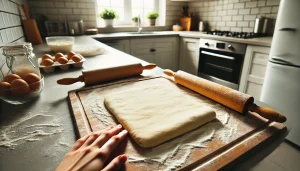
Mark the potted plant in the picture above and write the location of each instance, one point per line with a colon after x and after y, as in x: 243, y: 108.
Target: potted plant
x: 152, y: 16
x: 135, y: 21
x: 108, y: 15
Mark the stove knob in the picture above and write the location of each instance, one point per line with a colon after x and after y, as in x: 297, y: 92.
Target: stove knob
x: 206, y: 44
x: 230, y: 47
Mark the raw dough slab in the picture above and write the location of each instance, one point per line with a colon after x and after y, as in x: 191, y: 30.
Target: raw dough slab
x: 153, y: 115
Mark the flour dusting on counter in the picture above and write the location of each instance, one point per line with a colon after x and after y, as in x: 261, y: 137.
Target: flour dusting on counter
x: 174, y: 153
x: 21, y: 131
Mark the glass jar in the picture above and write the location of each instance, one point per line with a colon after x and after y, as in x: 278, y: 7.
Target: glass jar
x: 20, y: 77
x: 20, y: 59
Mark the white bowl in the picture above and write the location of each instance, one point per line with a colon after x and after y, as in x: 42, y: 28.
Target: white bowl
x: 60, y: 43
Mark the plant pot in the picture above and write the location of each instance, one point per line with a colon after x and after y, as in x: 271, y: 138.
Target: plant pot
x: 134, y: 23
x: 152, y: 22
x: 108, y: 22
x: 185, y: 23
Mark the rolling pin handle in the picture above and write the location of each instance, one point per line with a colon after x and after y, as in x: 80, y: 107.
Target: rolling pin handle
x: 68, y: 81
x: 149, y: 66
x: 267, y: 113
x: 169, y: 72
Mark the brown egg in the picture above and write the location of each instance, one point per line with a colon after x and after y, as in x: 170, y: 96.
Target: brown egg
x: 47, y: 62
x: 76, y: 58
x: 70, y: 54
x: 10, y: 77
x: 58, y: 55
x: 5, y: 89
x: 33, y: 80
x: 62, y: 60
x: 47, y: 56
x: 19, y: 87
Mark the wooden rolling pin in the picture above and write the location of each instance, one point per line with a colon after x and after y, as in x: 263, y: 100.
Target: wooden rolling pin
x: 95, y: 76
x: 233, y: 99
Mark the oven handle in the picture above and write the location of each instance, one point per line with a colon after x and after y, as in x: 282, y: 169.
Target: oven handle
x: 218, y: 55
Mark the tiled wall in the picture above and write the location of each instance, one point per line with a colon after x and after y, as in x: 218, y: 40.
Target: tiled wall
x: 233, y: 15
x: 64, y: 10
x: 10, y: 21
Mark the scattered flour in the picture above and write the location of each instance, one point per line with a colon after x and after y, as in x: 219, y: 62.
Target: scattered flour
x: 176, y: 152
x: 20, y: 131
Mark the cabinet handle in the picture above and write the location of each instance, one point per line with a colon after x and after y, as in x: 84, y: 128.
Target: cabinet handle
x: 152, y: 50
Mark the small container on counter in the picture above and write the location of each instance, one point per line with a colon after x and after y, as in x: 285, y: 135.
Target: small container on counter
x: 20, y: 77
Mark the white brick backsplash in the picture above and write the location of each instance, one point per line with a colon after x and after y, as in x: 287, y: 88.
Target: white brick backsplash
x: 226, y: 18
x: 59, y: 4
x: 247, y: 29
x: 1, y: 5
x: 65, y: 11
x: 251, y: 4
x: 229, y: 6
x: 237, y: 29
x: 251, y: 24
x: 237, y: 18
x: 274, y: 10
x: 90, y: 5
x: 222, y: 13
x: 244, y: 11
x: 239, y: 6
x: 221, y: 23
x: 243, y: 24
x: 265, y: 10
x: 49, y: 4
x: 232, y: 12
x: 71, y: 4
x: 1, y: 21
x: 245, y: 0
x: 81, y: 5
x: 249, y: 17
x: 254, y: 10
x: 231, y: 23
x: 52, y: 11
x: 261, y: 3
x: 273, y: 16
x: 273, y: 2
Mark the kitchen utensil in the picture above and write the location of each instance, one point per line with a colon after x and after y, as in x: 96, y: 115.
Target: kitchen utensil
x: 233, y: 99
x: 258, y: 25
x: 201, y: 26
x: 95, y: 76
x: 265, y: 26
x: 75, y: 27
x: 31, y: 30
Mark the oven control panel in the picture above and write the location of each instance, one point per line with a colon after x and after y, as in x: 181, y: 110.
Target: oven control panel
x: 223, y: 46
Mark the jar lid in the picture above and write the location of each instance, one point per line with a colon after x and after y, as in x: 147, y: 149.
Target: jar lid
x: 17, y: 48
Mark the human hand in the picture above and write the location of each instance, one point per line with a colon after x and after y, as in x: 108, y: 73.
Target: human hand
x: 92, y: 151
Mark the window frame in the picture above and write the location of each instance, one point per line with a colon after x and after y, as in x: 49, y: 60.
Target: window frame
x: 127, y: 14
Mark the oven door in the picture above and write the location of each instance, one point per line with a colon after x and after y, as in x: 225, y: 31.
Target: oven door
x: 220, y: 67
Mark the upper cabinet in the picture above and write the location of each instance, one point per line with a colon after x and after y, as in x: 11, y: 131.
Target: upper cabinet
x: 189, y: 55
x: 254, y: 69
x: 161, y: 51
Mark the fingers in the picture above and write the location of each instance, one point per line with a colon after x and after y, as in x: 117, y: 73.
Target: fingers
x: 111, y: 144
x: 106, y: 135
x: 93, y: 136
x: 116, y: 163
x: 79, y: 142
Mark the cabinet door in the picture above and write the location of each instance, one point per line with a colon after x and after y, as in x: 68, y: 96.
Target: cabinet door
x: 254, y: 69
x: 161, y: 51
x: 189, y: 55
x: 121, y: 45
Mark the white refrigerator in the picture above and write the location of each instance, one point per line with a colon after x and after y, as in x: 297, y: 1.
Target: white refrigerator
x: 281, y: 87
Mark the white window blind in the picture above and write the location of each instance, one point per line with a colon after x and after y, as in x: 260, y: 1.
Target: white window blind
x: 126, y: 9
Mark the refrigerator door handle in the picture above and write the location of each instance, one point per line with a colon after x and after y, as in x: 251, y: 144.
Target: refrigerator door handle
x: 287, y: 29
x: 280, y: 60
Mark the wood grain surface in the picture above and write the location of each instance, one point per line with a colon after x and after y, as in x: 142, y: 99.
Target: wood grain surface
x: 252, y: 131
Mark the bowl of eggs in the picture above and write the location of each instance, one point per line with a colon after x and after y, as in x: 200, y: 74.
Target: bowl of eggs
x: 15, y: 89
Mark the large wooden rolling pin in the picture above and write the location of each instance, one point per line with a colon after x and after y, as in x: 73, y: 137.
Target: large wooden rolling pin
x: 95, y: 76
x: 233, y: 99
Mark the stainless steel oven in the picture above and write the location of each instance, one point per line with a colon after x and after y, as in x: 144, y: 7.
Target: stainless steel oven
x: 221, y: 62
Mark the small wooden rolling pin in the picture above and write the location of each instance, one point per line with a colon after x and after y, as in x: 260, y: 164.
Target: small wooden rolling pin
x: 95, y: 76
x: 233, y: 99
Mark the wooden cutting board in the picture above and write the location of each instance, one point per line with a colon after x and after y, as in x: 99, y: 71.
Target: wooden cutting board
x: 224, y: 141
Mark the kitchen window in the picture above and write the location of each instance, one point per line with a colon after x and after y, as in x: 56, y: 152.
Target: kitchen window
x: 126, y: 9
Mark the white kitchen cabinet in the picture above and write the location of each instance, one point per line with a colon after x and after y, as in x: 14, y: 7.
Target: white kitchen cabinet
x: 189, y: 55
x: 161, y: 51
x: 121, y: 45
x: 254, y: 69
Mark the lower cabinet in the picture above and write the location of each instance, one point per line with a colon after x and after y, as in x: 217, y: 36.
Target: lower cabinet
x: 189, y: 55
x: 121, y: 45
x: 161, y: 51
x: 254, y: 69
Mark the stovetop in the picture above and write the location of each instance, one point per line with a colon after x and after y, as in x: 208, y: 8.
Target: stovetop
x: 242, y: 35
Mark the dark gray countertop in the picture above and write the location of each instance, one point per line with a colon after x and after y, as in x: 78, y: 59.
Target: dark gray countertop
x: 46, y: 153
x: 52, y: 110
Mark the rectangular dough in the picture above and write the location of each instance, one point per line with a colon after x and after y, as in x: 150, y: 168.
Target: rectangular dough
x: 153, y: 115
